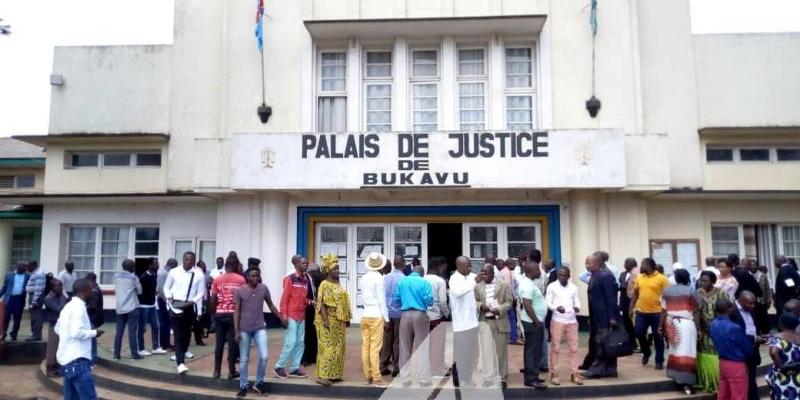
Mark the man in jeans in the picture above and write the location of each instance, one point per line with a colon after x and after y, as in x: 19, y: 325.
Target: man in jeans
x: 36, y: 292
x: 147, y: 309
x: 646, y: 302
x: 293, y: 312
x: 184, y: 291
x: 13, y: 296
x: 534, y: 311
x: 222, y: 305
x: 127, y: 290
x: 249, y: 323
x: 75, y: 334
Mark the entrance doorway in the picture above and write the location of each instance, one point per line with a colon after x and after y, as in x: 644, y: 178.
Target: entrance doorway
x: 446, y: 240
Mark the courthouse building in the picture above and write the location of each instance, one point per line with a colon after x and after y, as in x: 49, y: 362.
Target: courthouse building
x: 422, y: 128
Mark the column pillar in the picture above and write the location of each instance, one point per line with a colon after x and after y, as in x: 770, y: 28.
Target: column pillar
x: 583, y: 226
x: 274, y: 231
x: 5, y: 247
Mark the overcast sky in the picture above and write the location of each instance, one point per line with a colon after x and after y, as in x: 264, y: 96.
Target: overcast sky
x: 26, y: 56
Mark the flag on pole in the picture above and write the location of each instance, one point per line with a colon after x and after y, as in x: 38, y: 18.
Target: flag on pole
x: 260, y: 25
x: 593, y: 18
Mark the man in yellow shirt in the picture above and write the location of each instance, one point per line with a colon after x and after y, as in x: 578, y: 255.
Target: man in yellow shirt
x: 646, y: 305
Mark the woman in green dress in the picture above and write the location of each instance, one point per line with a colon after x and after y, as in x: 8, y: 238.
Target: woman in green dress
x: 332, y: 318
x: 707, y: 358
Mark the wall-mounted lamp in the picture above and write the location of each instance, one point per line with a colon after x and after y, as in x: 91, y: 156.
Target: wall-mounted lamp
x: 56, y: 80
x: 264, y: 112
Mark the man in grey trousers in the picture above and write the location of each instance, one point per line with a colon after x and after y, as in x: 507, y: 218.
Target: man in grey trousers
x: 414, y: 295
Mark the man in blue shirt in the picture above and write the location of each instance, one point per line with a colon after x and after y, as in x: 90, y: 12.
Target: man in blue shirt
x: 414, y: 295
x: 13, y: 296
x: 734, y: 348
x: 390, y: 353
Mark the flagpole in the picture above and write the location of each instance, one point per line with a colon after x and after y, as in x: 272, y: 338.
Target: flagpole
x: 263, y: 83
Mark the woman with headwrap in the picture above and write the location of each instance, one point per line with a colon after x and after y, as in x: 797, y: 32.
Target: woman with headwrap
x: 333, y: 316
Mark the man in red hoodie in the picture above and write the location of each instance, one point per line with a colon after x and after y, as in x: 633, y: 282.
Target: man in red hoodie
x: 293, y: 310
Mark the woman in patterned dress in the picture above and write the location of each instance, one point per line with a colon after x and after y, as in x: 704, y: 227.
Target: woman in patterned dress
x: 679, y: 321
x: 707, y: 358
x: 784, y: 348
x: 333, y: 316
x: 727, y: 282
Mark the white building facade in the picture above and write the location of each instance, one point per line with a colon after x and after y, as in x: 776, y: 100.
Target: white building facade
x: 422, y: 128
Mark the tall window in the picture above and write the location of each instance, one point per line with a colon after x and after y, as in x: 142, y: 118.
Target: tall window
x: 791, y: 241
x: 519, y: 88
x: 724, y: 240
x: 332, y: 98
x: 425, y: 90
x: 378, y: 90
x: 472, y: 89
x: 101, y: 249
x: 22, y: 245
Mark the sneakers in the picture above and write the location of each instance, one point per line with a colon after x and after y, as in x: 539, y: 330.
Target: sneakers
x: 242, y: 392
x: 298, y: 373
x: 188, y: 354
x: 260, y: 388
x: 145, y: 353
x: 182, y: 369
x: 159, y: 351
x: 280, y: 373
x: 379, y: 384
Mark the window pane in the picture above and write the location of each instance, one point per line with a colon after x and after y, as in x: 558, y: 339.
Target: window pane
x: 481, y: 250
x: 754, y: 154
x: 25, y: 181
x: 81, y: 233
x: 408, y: 250
x: 181, y: 247
x: 146, y: 249
x: 379, y: 108
x: 719, y: 155
x: 116, y: 159
x: 482, y: 234
x: 789, y: 154
x: 369, y: 234
x: 147, y: 233
x: 719, y: 233
x: 208, y: 250
x: 333, y: 71
x: 521, y: 234
x: 332, y: 114
x: 470, y: 62
x: 84, y: 159
x: 471, y: 106
x: 425, y: 103
x: 519, y: 112
x: 515, y: 249
x: 333, y: 234
x: 148, y: 159
x: 424, y: 63
x: 115, y: 233
x: 379, y: 64
x: 407, y: 234
x: 519, y: 68
x: 791, y: 241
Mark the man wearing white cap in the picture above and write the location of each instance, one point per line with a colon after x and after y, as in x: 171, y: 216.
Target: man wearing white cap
x: 373, y: 317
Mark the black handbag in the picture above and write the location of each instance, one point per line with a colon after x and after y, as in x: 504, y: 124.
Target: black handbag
x: 617, y: 344
x: 183, y: 304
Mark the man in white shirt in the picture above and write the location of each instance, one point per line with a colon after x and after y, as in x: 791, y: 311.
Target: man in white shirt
x: 215, y: 272
x: 373, y: 317
x: 184, y: 291
x: 68, y: 277
x: 74, y: 352
x: 564, y: 303
x: 436, y: 313
x: 465, y: 320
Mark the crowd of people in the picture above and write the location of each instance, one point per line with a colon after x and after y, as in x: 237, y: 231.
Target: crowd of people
x: 712, y: 319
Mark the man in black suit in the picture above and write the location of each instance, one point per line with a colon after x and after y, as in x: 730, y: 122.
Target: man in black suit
x: 746, y: 280
x: 786, y: 283
x: 744, y: 316
x: 603, y: 315
x: 314, y: 279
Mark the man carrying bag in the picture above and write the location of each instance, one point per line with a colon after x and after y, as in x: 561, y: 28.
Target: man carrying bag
x: 184, y: 290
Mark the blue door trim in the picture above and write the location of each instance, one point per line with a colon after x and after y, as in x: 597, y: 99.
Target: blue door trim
x: 304, y: 215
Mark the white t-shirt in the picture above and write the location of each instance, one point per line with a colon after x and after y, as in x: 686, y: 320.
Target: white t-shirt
x: 463, y: 307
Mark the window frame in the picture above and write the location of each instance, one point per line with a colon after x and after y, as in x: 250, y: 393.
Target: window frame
x: 366, y: 82
x: 135, y: 159
x: 531, y: 91
x: 789, y: 147
x: 782, y: 240
x: 738, y: 152
x: 415, y: 80
x: 739, y: 238
x: 320, y: 93
x: 472, y: 79
x: 97, y: 254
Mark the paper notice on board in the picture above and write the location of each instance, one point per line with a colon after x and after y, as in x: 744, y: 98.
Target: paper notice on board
x: 411, y: 251
x: 370, y: 248
x: 662, y: 254
x: 687, y: 255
